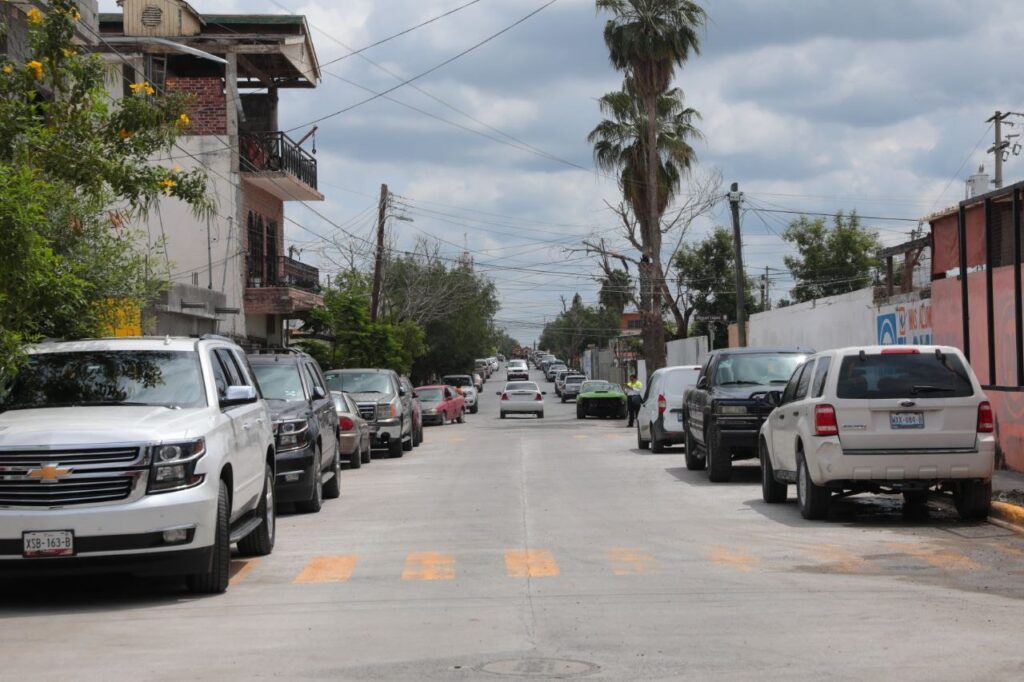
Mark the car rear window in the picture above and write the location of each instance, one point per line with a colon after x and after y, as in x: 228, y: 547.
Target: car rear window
x: 677, y: 381
x: 903, y: 375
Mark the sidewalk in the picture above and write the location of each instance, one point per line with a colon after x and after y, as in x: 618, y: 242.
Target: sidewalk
x: 1006, y: 481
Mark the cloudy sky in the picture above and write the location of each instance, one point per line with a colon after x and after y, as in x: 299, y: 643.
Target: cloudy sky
x: 811, y: 105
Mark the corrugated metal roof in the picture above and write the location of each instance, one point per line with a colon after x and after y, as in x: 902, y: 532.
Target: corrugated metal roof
x: 266, y: 19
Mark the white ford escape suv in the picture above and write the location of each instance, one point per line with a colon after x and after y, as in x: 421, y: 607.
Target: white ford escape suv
x: 135, y: 455
x: 882, y: 419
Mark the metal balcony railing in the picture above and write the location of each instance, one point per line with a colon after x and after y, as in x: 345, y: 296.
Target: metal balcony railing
x: 275, y: 151
x: 283, y: 272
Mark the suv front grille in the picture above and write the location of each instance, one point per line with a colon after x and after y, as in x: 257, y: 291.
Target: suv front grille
x: 34, y: 458
x: 368, y: 412
x: 31, y: 493
x: 70, y: 476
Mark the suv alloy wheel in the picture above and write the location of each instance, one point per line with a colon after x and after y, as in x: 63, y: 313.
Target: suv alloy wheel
x: 215, y: 580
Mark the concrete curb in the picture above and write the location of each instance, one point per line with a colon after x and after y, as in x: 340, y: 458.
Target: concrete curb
x: 1007, y: 515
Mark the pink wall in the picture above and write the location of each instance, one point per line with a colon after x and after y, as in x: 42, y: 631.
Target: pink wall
x: 947, y: 327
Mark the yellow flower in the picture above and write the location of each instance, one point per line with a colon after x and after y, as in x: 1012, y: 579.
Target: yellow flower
x: 8, y: 68
x: 125, y: 134
x: 177, y: 168
x: 184, y: 120
x: 68, y: 52
x: 36, y: 67
x: 144, y: 86
x: 34, y: 15
x: 168, y: 184
x: 75, y: 15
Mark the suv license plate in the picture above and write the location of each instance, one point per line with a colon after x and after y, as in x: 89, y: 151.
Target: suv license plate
x: 48, y: 543
x: 906, y: 420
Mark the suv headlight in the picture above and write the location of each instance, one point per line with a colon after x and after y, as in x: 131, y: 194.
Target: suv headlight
x: 291, y: 435
x: 174, y: 465
x: 731, y: 409
x: 387, y: 410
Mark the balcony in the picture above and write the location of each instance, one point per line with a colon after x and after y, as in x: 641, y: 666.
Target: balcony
x: 274, y: 163
x: 283, y: 287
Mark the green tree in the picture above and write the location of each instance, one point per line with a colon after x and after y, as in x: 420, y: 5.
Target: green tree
x: 616, y: 291
x: 648, y: 40
x: 67, y: 155
x: 578, y: 326
x: 830, y: 261
x: 708, y: 288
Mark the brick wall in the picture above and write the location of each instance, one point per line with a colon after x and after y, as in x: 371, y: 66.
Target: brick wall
x: 208, y: 111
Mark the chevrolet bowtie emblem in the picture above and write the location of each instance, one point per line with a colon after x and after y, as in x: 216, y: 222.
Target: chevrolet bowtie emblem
x: 49, y: 473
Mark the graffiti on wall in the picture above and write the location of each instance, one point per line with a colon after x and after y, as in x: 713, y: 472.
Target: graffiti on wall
x: 904, y: 323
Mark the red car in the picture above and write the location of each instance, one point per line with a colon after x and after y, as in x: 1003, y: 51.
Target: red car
x: 441, y: 404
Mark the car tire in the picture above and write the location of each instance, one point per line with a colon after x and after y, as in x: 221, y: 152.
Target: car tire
x: 915, y: 498
x: 367, y: 454
x: 395, y: 448
x: 719, y: 461
x: 316, y: 497
x: 355, y: 460
x: 502, y: 415
x: 215, y: 580
x: 973, y: 500
x: 694, y: 462
x: 474, y: 409
x: 813, y: 499
x: 657, y: 446
x: 563, y: 400
x: 540, y: 415
x: 772, y: 491
x: 640, y: 442
x: 332, y: 489
x: 260, y: 542
x: 580, y: 414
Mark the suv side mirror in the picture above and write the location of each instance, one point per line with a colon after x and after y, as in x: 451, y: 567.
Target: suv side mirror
x: 702, y: 383
x: 402, y: 392
x: 319, y: 393
x: 773, y: 398
x: 238, y: 395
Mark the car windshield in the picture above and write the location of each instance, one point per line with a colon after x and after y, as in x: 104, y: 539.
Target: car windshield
x: 460, y: 381
x: 108, y: 377
x: 903, y: 375
x: 280, y: 381
x: 595, y: 386
x: 430, y: 395
x: 359, y: 382
x: 757, y: 368
x: 521, y: 386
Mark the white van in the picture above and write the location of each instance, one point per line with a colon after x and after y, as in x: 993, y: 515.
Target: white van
x: 660, y: 421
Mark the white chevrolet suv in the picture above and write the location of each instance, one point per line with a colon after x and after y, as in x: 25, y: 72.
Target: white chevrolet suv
x: 135, y: 455
x: 881, y: 419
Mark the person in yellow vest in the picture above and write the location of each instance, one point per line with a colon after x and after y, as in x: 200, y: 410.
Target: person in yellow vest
x: 634, y: 391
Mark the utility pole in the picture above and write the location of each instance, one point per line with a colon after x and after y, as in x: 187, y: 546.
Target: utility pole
x: 735, y: 196
x: 1000, y: 146
x: 378, y: 263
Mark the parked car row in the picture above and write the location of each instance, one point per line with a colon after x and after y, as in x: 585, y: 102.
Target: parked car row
x: 156, y: 455
x: 905, y: 420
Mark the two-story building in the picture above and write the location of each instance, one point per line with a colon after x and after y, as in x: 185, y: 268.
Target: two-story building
x: 231, y: 273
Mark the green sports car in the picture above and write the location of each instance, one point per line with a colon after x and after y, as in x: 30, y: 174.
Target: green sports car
x: 600, y: 399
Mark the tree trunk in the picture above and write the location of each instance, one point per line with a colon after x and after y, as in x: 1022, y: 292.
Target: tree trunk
x: 654, y: 324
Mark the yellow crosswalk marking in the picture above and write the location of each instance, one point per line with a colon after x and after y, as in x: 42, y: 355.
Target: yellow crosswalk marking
x: 630, y: 561
x: 240, y: 569
x: 327, y: 569
x: 734, y: 558
x: 580, y: 436
x: 429, y: 566
x: 946, y: 559
x: 530, y: 563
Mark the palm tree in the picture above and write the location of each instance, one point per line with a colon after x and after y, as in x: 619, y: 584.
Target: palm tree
x: 648, y: 39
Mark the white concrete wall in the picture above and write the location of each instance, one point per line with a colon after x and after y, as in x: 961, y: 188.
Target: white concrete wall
x: 689, y: 351
x: 178, y: 239
x: 834, y: 322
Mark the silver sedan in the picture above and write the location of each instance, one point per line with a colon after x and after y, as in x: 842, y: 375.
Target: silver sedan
x: 354, y: 431
x: 521, y: 397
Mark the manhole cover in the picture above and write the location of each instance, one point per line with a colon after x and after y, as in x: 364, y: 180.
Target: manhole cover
x: 539, y: 667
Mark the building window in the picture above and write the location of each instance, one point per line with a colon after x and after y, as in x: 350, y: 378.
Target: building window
x: 255, y: 232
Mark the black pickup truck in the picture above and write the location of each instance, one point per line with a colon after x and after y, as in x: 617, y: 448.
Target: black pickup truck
x: 724, y: 411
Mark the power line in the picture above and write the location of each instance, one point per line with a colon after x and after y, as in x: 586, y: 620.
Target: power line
x: 428, y: 71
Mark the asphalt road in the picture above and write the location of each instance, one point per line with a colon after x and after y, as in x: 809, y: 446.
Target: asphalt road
x: 552, y: 548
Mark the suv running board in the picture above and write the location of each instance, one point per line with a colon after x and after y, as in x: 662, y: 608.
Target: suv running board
x: 245, y: 527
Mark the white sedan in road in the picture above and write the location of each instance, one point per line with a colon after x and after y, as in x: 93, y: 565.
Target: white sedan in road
x: 521, y: 397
